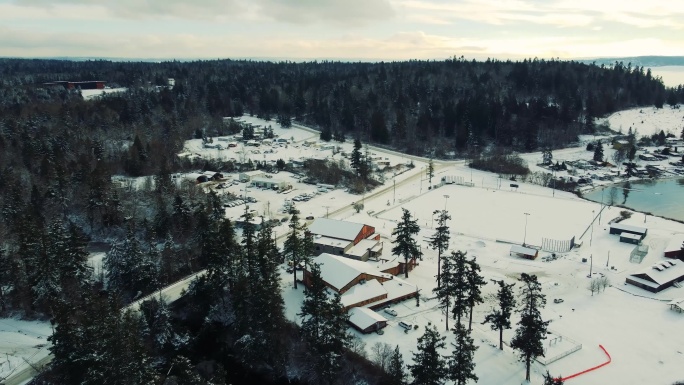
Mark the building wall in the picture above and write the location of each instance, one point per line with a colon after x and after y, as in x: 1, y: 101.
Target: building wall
x: 334, y: 250
x: 366, y: 302
x: 376, y: 326
x: 674, y: 254
x: 396, y: 300
x: 366, y: 231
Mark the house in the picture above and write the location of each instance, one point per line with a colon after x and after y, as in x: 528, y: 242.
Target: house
x: 361, y: 283
x: 677, y: 304
x: 626, y: 237
x: 349, y: 239
x: 619, y: 228
x: 659, y: 276
x: 273, y: 184
x: 523, y: 252
x: 249, y: 175
x: 675, y: 246
x: 366, y: 320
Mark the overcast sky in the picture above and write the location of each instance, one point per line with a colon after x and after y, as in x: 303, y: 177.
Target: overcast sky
x: 341, y: 29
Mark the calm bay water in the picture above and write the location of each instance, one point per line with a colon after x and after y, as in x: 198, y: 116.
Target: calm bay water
x: 672, y: 75
x: 662, y: 197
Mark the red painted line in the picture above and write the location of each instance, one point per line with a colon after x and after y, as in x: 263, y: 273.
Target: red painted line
x: 590, y: 369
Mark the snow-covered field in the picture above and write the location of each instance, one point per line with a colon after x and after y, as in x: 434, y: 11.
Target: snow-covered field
x: 21, y: 341
x: 640, y: 333
x: 647, y: 120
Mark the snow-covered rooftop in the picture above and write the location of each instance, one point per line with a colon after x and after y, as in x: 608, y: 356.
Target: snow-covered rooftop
x: 362, y: 292
x: 336, y: 229
x: 339, y: 271
x: 523, y: 250
x: 364, y: 318
x: 660, y: 273
x: 676, y: 243
x: 362, y: 247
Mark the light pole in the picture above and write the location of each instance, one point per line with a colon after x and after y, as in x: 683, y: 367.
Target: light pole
x: 421, y: 179
x: 525, y: 237
x: 591, y: 265
x: 394, y: 191
x: 446, y: 197
x: 592, y: 228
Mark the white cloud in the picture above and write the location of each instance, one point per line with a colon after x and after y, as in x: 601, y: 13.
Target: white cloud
x: 298, y: 11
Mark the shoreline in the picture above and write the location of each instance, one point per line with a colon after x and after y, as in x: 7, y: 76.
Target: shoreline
x: 582, y: 195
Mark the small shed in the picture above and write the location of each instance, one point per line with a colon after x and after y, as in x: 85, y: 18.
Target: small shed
x: 273, y: 184
x: 249, y: 175
x: 675, y: 247
x: 366, y: 320
x: 619, y: 228
x: 523, y: 252
x: 677, y: 305
x: 626, y: 237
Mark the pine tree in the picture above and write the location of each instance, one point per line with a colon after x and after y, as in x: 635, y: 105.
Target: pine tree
x: 531, y: 328
x: 598, y: 152
x: 500, y: 318
x: 429, y: 367
x: 550, y: 380
x: 405, y: 244
x: 474, y: 294
x: 324, y: 325
x: 298, y: 245
x: 356, y: 157
x: 440, y: 240
x: 461, y: 363
x: 431, y: 170
x: 395, y: 369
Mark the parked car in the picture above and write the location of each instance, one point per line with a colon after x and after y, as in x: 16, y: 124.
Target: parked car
x: 391, y: 312
x: 310, y: 218
x: 558, y: 300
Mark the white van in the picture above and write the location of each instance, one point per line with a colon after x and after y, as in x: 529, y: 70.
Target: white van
x: 405, y: 325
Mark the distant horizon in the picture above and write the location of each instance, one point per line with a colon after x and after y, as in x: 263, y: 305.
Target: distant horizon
x: 657, y: 60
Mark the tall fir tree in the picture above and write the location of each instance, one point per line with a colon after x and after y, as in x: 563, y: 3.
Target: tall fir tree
x: 298, y: 245
x: 475, y: 281
x: 598, y: 152
x: 531, y: 330
x: 500, y: 319
x: 429, y: 366
x: 404, y: 240
x: 461, y: 362
x: 440, y: 240
x: 356, y: 158
x: 395, y: 369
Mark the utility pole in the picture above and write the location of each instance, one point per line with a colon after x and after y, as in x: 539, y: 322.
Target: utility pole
x: 591, y: 265
x: 525, y: 237
x: 394, y: 192
x: 446, y: 197
x: 608, y: 261
x: 592, y: 227
x: 326, y: 210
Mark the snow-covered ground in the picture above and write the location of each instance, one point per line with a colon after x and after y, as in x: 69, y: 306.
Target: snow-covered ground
x: 647, y: 120
x: 21, y: 341
x: 640, y: 333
